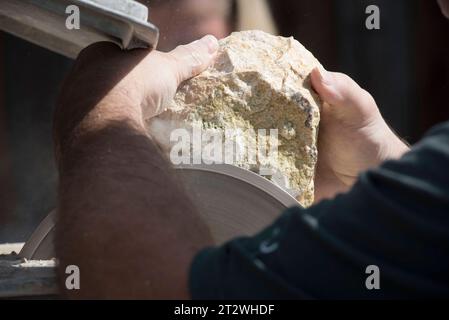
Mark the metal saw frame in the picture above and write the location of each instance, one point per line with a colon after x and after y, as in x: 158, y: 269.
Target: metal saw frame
x: 43, y: 22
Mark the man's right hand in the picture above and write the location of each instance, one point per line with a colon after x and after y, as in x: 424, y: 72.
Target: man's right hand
x: 353, y: 135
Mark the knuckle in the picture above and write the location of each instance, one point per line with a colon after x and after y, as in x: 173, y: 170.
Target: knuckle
x: 367, y: 96
x: 196, y: 58
x: 347, y: 80
x: 190, y: 56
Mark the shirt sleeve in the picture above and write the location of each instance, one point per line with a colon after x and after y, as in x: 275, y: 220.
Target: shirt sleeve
x: 395, y: 218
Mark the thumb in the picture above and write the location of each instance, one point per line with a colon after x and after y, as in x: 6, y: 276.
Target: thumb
x: 346, y: 99
x: 194, y: 58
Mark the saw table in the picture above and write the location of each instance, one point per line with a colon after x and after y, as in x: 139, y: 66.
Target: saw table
x: 233, y: 201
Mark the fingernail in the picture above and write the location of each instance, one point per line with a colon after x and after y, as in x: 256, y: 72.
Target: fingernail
x: 211, y: 42
x: 325, y: 76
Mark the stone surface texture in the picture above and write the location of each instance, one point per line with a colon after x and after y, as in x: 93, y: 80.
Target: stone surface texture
x: 259, y: 81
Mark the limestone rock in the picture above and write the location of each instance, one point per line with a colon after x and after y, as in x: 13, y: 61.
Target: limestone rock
x: 258, y: 81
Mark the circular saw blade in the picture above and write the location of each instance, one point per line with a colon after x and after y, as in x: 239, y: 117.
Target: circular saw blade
x: 233, y: 202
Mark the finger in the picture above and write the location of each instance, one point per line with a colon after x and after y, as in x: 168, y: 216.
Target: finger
x: 193, y: 58
x: 342, y: 93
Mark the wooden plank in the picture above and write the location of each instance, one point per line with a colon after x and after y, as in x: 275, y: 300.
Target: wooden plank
x: 27, y: 278
x: 9, y: 248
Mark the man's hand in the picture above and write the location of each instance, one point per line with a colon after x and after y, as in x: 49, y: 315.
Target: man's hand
x: 353, y: 135
x: 108, y: 84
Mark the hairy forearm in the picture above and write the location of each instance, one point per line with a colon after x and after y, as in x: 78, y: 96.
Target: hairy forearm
x: 123, y: 218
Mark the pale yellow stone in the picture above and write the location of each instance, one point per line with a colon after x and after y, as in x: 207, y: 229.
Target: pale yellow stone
x: 258, y: 81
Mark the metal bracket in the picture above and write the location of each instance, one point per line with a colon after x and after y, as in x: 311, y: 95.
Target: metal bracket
x: 43, y: 22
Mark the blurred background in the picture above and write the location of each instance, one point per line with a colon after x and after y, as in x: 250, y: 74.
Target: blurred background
x: 404, y: 65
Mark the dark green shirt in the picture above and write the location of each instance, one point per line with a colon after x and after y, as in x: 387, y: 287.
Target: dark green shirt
x: 396, y: 217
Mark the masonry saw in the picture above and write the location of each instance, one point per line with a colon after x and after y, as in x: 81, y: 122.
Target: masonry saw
x: 231, y: 200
